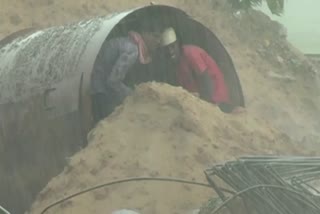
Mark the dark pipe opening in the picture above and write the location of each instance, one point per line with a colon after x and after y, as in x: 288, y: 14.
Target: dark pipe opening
x: 188, y: 31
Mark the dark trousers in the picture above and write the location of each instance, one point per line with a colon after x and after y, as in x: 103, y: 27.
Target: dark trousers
x: 226, y: 107
x: 103, y: 105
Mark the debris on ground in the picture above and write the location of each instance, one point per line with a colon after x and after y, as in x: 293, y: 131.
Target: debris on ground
x: 265, y: 184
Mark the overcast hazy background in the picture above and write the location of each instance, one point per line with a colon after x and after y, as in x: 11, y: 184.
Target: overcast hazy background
x: 302, y: 20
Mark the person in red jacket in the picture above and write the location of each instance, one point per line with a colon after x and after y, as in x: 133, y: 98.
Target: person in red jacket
x: 197, y: 72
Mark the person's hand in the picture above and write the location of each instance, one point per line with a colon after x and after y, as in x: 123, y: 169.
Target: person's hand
x: 128, y: 92
x: 125, y: 92
x: 195, y: 94
x: 238, y: 110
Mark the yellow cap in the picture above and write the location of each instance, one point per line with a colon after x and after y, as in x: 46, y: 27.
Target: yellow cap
x: 168, y: 37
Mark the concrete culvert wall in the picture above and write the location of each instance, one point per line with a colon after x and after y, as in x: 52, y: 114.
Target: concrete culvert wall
x: 45, y: 104
x: 15, y: 35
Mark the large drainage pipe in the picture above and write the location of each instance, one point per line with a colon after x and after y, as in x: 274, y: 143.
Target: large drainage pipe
x: 45, y: 104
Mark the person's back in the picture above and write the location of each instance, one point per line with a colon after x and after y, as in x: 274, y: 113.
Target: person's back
x: 115, y: 60
x: 109, y: 53
x: 201, y: 61
x: 115, y: 57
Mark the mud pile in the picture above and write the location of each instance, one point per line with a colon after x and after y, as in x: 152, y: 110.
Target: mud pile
x: 160, y: 131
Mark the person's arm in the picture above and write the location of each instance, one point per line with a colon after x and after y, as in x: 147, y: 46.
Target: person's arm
x: 205, y: 85
x: 202, y: 77
x: 120, y: 69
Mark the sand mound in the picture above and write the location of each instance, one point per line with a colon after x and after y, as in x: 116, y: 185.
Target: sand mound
x: 159, y: 131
